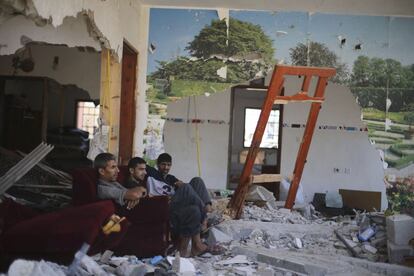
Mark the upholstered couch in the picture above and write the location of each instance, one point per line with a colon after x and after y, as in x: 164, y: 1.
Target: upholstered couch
x: 56, y: 236
x: 148, y: 232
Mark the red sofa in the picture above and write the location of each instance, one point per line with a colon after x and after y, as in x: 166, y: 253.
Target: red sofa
x: 148, y: 233
x: 55, y: 236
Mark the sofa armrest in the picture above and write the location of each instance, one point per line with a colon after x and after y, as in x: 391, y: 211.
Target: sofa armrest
x: 148, y: 210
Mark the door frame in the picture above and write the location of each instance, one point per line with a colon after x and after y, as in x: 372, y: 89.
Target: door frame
x: 127, y: 103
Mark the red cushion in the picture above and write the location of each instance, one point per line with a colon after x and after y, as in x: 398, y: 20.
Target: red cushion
x: 63, y: 231
x: 12, y: 213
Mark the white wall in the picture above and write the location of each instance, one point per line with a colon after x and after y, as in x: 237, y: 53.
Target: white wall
x: 74, y: 67
x: 180, y: 139
x: 141, y: 104
x: 331, y: 149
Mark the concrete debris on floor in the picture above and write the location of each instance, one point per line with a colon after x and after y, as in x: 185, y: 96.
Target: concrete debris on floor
x: 267, y: 242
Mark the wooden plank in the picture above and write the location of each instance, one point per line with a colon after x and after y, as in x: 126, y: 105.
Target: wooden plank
x: 275, y: 88
x: 365, y: 200
x: 265, y: 178
x: 281, y: 101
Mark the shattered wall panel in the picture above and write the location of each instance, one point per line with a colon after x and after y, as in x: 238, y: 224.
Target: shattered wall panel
x: 210, y: 115
x: 340, y: 155
x: 110, y: 21
x: 19, y: 30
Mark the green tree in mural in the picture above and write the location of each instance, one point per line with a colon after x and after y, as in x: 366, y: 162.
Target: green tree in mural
x: 210, y: 48
x: 244, y: 39
x: 372, y: 78
x: 318, y: 55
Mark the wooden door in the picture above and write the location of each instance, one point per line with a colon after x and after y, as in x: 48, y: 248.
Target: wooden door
x: 127, y: 110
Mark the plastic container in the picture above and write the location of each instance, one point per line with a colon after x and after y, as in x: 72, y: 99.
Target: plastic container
x: 367, y: 234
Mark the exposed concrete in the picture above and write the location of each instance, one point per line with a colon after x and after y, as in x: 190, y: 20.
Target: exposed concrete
x: 400, y: 229
x: 317, y: 264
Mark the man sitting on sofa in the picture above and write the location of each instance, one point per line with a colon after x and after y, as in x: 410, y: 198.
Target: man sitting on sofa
x: 109, y: 188
x: 188, y: 206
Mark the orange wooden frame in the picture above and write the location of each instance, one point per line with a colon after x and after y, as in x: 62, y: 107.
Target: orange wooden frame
x: 274, y: 96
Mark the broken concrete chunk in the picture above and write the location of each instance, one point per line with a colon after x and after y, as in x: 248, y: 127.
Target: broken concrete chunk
x: 259, y: 193
x: 298, y: 243
x: 400, y: 229
x: 186, y: 266
x: 239, y: 259
x: 23, y: 267
x: 369, y: 248
x: 106, y: 256
x: 351, y: 243
x: 217, y: 236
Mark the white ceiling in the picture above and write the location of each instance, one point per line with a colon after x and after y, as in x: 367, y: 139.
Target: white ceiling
x: 366, y: 7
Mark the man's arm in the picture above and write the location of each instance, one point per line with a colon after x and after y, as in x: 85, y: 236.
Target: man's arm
x: 111, y: 192
x: 135, y: 193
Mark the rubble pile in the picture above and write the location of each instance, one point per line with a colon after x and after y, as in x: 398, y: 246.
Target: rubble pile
x: 282, y: 215
x: 365, y: 237
x: 42, y: 188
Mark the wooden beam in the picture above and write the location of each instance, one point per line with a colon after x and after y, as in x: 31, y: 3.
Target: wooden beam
x: 266, y: 178
x: 274, y: 92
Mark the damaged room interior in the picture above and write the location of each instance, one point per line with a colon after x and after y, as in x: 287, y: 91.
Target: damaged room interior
x: 159, y: 137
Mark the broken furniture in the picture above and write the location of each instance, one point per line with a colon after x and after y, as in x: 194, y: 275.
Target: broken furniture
x: 148, y: 234
x: 55, y: 236
x: 273, y: 96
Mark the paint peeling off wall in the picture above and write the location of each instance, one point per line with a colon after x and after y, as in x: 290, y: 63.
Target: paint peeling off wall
x: 108, y: 22
x: 340, y: 156
x: 180, y: 138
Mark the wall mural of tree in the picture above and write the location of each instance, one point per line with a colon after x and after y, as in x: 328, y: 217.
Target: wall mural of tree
x: 371, y: 54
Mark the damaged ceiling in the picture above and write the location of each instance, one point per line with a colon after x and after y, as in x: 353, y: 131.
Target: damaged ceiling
x: 91, y: 17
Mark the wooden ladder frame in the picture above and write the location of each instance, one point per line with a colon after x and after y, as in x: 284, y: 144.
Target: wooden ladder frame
x: 274, y: 97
